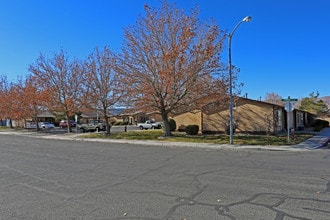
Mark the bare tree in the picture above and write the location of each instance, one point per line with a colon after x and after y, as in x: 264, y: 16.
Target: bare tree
x: 270, y: 122
x: 169, y: 59
x: 273, y: 98
x: 106, y: 88
x: 65, y: 81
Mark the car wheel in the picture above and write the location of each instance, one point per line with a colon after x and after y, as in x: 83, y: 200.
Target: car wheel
x: 141, y: 128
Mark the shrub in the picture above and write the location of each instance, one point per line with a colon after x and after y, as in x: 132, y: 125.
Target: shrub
x: 172, y: 124
x: 319, y: 124
x: 192, y: 129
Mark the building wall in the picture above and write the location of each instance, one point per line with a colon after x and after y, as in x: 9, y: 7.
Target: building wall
x: 248, y: 116
x: 188, y: 118
x: 216, y: 122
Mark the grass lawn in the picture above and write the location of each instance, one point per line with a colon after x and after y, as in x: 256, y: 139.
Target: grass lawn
x: 2, y: 128
x: 213, y: 139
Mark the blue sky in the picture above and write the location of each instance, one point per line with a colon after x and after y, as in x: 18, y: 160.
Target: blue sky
x: 284, y: 49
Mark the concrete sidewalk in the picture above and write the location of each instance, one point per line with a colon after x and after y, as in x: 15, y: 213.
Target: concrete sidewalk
x: 319, y: 140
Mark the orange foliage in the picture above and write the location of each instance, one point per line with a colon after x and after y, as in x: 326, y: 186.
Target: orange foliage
x: 169, y: 59
x: 23, y: 100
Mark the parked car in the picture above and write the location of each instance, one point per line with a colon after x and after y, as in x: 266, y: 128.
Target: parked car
x: 92, y: 125
x: 46, y: 125
x: 64, y: 123
x: 150, y: 125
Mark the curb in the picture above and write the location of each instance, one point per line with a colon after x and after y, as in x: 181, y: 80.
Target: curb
x: 310, y: 144
x: 205, y: 146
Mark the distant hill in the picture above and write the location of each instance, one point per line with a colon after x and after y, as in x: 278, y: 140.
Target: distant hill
x: 326, y: 99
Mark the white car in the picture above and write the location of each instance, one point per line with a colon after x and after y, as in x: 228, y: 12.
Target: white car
x: 150, y: 125
x: 45, y: 125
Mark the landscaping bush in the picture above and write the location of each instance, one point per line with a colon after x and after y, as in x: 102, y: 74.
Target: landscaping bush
x: 319, y: 124
x: 172, y: 124
x: 192, y: 129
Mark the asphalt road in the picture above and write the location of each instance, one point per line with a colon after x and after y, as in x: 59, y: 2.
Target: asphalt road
x: 61, y: 179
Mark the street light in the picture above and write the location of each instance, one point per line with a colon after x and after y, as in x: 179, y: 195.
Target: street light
x: 230, y: 36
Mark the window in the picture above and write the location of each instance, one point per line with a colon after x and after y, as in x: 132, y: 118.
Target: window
x: 299, y: 119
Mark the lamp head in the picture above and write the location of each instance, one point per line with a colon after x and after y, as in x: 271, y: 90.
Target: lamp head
x: 247, y: 18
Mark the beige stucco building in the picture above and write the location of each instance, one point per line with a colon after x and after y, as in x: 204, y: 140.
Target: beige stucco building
x: 249, y: 116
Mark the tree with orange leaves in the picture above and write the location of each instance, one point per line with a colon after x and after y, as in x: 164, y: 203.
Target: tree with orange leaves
x: 34, y: 99
x: 5, y: 98
x: 16, y: 98
x: 22, y: 100
x: 12, y: 103
x: 169, y: 59
x: 64, y: 81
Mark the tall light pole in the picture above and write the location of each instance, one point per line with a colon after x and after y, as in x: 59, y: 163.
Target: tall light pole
x: 230, y: 36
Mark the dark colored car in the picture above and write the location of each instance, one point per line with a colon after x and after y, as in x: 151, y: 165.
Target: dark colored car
x: 64, y: 124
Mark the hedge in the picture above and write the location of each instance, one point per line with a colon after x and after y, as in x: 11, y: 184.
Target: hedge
x: 192, y: 129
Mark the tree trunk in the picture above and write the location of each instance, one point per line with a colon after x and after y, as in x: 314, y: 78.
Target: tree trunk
x: 11, y: 123
x: 107, y: 124
x: 37, y: 122
x: 69, y: 123
x: 167, y: 128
